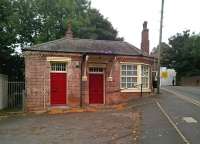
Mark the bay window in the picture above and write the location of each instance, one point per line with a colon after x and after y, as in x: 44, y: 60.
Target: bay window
x: 132, y: 75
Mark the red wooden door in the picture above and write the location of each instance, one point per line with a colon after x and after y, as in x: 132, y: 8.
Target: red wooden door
x: 96, y: 89
x: 58, y: 88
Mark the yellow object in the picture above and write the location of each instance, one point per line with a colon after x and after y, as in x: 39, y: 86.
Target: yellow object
x: 164, y: 74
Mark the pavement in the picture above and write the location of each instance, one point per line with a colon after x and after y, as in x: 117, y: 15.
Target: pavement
x: 156, y: 129
x: 173, y: 117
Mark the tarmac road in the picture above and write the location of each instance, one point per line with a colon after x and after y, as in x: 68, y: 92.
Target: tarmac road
x: 189, y: 91
x: 182, y: 105
x: 173, y: 117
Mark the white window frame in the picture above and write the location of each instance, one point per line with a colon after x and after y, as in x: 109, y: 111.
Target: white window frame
x: 59, y: 68
x: 145, y: 76
x: 139, y: 78
x: 128, y: 76
x: 96, y: 70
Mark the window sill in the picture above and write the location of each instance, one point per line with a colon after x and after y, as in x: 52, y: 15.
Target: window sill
x: 136, y: 90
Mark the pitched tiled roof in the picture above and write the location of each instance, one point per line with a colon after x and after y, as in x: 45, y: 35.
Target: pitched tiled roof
x: 87, y: 46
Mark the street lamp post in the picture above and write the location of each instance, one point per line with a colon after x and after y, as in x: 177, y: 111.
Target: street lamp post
x: 160, y: 41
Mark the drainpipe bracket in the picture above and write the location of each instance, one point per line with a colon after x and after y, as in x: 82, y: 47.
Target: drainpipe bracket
x: 110, y: 78
x: 84, y: 78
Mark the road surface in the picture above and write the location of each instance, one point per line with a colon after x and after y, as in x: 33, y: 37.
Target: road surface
x: 173, y: 117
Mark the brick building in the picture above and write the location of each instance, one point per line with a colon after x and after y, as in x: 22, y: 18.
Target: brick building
x: 71, y: 72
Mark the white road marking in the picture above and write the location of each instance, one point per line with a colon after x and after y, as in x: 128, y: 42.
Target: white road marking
x: 172, y: 123
x: 189, y: 120
x: 183, y: 97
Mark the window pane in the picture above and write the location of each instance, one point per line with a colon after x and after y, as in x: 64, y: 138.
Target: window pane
x: 58, y: 66
x: 145, y: 82
x: 135, y: 67
x: 96, y: 69
x: 135, y: 79
x: 145, y: 70
x: 130, y: 73
x: 123, y: 73
x: 123, y: 79
x: 130, y: 79
x: 123, y: 67
x: 135, y: 73
x: 129, y: 85
x: 123, y: 85
x: 129, y: 67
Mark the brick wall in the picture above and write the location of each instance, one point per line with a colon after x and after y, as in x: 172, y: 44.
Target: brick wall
x: 37, y: 70
x: 190, y: 81
x: 37, y: 73
x: 113, y: 93
x: 74, y: 82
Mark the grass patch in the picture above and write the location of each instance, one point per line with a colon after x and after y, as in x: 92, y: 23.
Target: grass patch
x: 9, y: 111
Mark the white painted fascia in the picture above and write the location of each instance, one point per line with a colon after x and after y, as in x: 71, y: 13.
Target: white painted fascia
x: 59, y: 59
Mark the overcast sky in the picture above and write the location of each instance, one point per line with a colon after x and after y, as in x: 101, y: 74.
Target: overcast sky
x: 127, y: 16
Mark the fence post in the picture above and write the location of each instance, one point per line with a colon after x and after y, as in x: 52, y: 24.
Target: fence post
x: 23, y: 101
x: 3, y: 91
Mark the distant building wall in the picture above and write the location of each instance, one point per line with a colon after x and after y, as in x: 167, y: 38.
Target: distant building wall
x: 3, y: 91
x: 190, y: 81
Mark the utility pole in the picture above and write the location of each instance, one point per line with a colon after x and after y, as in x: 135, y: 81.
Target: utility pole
x: 160, y: 41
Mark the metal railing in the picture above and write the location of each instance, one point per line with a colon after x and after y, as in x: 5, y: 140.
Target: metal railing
x: 141, y: 86
x: 16, y: 95
x: 135, y: 86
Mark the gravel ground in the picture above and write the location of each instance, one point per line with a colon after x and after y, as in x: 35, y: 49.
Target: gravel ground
x: 112, y: 127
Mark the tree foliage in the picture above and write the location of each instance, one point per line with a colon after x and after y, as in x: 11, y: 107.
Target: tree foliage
x: 44, y: 20
x: 7, y: 34
x: 182, y: 53
x: 164, y: 54
x: 27, y: 22
x: 186, y: 53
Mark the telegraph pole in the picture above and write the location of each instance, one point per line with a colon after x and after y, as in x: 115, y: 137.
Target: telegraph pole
x: 160, y: 41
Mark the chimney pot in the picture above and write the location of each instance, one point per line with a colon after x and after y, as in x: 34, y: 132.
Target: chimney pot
x: 69, y: 33
x: 145, y: 25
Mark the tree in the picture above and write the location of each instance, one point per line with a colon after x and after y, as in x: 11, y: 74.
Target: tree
x: 182, y: 54
x: 7, y: 33
x: 28, y: 22
x: 185, y: 48
x: 165, y: 55
x: 45, y: 20
x: 98, y: 27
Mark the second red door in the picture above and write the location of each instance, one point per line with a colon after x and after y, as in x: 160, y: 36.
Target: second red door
x: 96, y: 89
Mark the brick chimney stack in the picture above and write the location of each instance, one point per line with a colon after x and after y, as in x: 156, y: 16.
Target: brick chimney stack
x: 69, y: 33
x: 145, y: 39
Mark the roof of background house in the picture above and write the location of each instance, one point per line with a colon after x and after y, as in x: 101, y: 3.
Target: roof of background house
x: 88, y: 46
